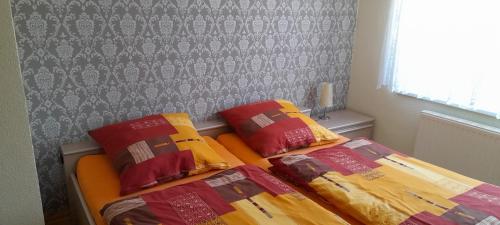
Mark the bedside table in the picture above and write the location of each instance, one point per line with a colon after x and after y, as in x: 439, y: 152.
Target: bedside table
x: 348, y: 123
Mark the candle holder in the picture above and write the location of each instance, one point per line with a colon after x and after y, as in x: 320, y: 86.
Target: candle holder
x: 325, y: 98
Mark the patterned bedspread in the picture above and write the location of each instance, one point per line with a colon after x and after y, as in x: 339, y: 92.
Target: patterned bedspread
x: 243, y: 195
x: 378, y: 185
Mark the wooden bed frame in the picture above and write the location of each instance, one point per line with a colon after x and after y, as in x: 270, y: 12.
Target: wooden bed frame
x: 345, y: 122
x: 71, y: 153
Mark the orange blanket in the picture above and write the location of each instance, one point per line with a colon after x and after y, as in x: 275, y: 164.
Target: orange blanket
x: 100, y: 184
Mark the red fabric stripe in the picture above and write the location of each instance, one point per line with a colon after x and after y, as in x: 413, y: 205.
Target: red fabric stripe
x: 115, y: 138
x: 158, y: 201
x: 237, y: 115
x: 484, y: 197
x: 166, y: 166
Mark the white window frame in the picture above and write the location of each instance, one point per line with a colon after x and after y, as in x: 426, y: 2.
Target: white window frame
x: 388, y: 64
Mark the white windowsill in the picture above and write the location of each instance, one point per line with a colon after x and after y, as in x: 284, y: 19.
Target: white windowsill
x: 446, y: 104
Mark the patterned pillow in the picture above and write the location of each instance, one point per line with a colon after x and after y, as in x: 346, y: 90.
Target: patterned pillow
x: 276, y: 126
x: 156, y: 149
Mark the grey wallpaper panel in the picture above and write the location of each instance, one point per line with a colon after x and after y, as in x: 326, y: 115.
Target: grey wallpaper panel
x: 87, y: 63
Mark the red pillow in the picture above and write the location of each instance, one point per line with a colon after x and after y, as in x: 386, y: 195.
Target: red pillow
x: 275, y: 126
x: 156, y: 149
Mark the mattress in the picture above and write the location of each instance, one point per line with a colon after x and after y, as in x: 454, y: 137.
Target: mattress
x: 100, y: 183
x: 237, y: 147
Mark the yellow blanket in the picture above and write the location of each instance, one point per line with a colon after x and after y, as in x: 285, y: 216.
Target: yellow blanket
x: 377, y: 185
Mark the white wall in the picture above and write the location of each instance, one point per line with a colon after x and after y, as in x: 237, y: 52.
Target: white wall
x: 396, y: 115
x: 19, y: 193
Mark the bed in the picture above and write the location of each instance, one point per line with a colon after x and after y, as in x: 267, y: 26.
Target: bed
x: 100, y: 184
x: 71, y: 154
x: 378, y: 185
x: 93, y: 184
x: 238, y: 148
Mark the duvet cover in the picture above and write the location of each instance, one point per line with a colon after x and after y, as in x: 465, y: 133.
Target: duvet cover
x: 243, y: 195
x: 377, y: 185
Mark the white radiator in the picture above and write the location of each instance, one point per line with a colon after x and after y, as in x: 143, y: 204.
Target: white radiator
x: 459, y: 145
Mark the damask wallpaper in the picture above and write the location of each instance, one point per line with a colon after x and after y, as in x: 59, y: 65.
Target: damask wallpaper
x: 87, y: 63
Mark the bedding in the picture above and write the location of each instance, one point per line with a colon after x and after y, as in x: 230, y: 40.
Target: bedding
x: 237, y: 147
x: 275, y: 126
x: 378, y: 185
x: 100, y: 183
x: 234, y: 144
x: 243, y: 195
x: 156, y: 149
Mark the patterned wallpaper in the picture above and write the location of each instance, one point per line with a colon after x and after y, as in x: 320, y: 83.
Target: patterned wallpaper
x: 87, y: 63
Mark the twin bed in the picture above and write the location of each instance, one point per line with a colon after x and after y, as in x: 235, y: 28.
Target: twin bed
x: 343, y: 182
x: 377, y: 185
x: 99, y: 183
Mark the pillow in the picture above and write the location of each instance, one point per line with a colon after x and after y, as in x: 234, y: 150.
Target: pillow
x: 156, y: 149
x: 276, y: 126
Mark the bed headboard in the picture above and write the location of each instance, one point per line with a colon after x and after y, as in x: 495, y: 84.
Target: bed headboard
x: 71, y: 153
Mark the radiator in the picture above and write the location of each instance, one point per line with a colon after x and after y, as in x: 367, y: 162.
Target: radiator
x: 459, y: 145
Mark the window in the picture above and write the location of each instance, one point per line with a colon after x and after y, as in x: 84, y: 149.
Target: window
x: 446, y: 51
